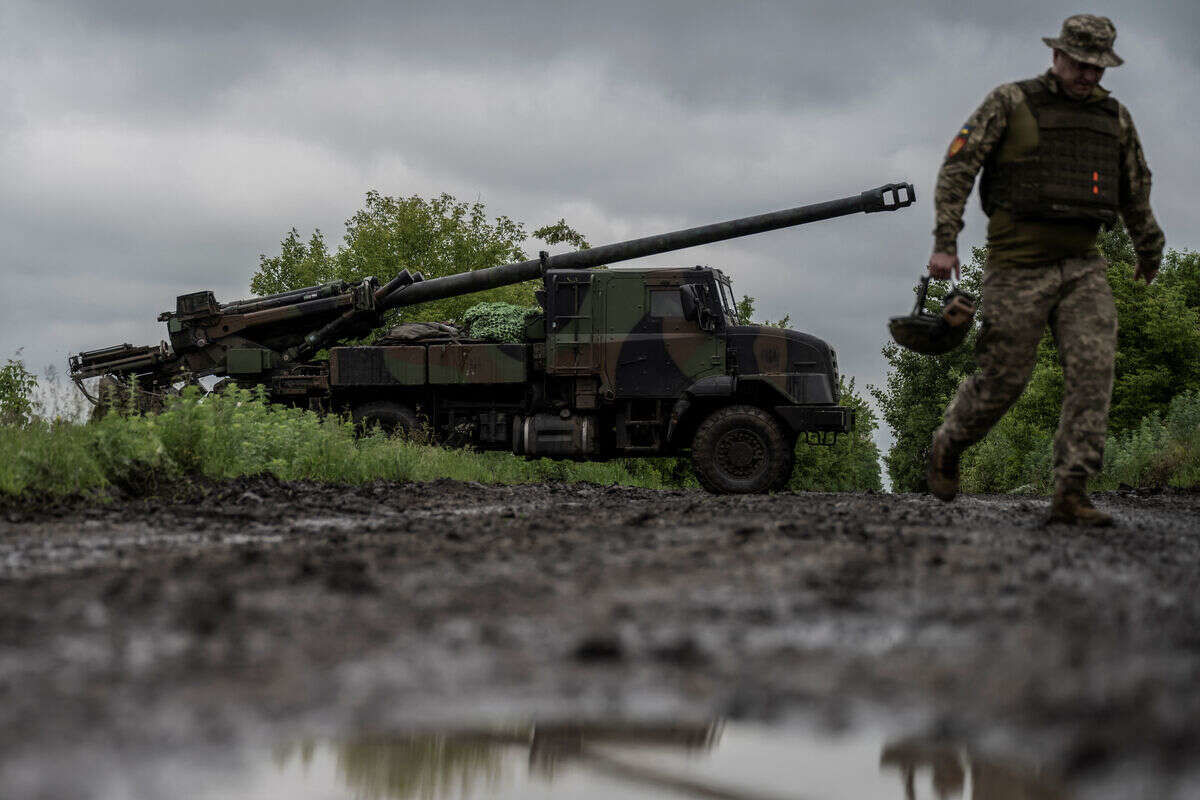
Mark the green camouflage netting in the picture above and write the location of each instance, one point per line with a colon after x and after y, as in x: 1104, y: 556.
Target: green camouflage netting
x: 498, y: 322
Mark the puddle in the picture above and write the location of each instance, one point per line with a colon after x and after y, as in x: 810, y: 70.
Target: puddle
x: 722, y: 760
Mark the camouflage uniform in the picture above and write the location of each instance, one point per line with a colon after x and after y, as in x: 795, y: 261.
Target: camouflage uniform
x: 1043, y: 271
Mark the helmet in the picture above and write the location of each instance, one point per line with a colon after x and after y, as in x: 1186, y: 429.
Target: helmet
x: 935, y: 334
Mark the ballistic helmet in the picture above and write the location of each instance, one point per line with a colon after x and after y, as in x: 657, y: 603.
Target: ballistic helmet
x: 934, y: 334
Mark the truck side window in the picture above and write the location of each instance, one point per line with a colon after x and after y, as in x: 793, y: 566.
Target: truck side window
x: 665, y: 303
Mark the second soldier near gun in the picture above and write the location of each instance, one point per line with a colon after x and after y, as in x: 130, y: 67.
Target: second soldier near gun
x: 1060, y: 159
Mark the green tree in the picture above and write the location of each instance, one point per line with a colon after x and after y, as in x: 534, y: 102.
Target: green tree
x: 1158, y: 357
x: 561, y: 232
x: 437, y: 236
x: 17, y: 384
x: 1158, y: 339
x: 745, y: 313
x: 851, y: 464
x: 297, y: 265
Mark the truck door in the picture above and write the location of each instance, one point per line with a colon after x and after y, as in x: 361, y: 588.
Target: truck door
x: 663, y: 353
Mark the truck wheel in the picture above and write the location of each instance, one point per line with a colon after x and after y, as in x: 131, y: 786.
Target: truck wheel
x: 393, y: 418
x: 785, y: 473
x: 741, y: 450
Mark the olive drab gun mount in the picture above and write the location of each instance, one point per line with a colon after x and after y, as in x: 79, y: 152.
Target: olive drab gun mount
x: 639, y: 354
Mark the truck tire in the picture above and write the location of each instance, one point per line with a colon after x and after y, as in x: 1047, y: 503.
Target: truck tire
x: 393, y: 418
x: 741, y: 450
x: 785, y: 474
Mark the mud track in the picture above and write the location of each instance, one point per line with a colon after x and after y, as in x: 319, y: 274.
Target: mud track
x: 253, y: 607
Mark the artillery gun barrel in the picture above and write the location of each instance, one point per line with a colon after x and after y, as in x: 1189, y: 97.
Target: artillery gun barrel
x: 283, y: 298
x: 105, y: 355
x: 885, y: 198
x: 151, y: 361
x: 122, y: 358
x: 304, y: 320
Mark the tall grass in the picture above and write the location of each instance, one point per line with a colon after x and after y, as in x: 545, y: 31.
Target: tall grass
x: 44, y: 448
x: 1162, y: 451
x: 235, y: 433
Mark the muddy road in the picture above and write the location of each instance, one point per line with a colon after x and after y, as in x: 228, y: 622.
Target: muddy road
x: 253, y: 610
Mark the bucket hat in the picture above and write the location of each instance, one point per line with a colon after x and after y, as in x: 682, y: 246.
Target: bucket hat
x: 1088, y: 38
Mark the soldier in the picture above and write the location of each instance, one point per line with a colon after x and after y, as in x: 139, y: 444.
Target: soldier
x: 1060, y: 158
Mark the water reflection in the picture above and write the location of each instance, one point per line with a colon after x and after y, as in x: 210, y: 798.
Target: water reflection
x: 580, y: 760
x: 426, y: 766
x: 954, y: 773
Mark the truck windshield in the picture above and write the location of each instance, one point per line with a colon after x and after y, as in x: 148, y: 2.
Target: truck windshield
x: 728, y: 302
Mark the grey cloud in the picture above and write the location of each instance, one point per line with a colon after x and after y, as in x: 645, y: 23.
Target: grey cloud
x: 153, y: 148
x: 704, y: 52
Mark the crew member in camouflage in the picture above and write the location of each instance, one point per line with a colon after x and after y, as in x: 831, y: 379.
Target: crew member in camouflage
x: 1059, y: 159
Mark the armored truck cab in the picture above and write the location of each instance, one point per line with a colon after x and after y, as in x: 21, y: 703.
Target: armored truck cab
x: 623, y: 362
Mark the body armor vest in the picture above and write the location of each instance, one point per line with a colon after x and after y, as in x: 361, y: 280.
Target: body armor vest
x: 1074, y: 174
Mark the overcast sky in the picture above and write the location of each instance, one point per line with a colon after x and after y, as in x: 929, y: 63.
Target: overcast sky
x: 150, y: 148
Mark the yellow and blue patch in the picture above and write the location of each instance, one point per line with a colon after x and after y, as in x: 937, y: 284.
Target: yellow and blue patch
x: 959, y: 141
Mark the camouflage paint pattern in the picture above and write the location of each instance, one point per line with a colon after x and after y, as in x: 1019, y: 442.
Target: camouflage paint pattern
x: 437, y: 364
x: 985, y: 131
x: 798, y: 366
x: 627, y: 328
x: 377, y: 366
x: 478, y: 363
x: 602, y: 324
x: 1074, y: 298
x: 650, y: 350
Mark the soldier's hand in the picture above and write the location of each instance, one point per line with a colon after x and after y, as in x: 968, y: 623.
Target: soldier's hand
x: 942, y: 264
x: 1145, y: 272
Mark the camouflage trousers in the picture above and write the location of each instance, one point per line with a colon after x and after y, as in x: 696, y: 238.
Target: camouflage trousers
x: 1074, y: 297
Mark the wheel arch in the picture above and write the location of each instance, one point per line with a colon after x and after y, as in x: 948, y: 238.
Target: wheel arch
x: 707, y: 395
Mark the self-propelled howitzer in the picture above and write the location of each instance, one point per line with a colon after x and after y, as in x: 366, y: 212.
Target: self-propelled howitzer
x: 622, y: 361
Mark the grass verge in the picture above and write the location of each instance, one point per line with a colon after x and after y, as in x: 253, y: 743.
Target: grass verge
x: 235, y: 433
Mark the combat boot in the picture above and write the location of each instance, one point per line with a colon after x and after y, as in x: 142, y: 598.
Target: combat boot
x: 1071, y: 505
x: 942, y: 475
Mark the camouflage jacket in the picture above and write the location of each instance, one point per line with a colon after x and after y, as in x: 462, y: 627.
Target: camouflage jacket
x: 982, y: 133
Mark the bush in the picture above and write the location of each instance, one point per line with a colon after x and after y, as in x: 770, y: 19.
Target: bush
x: 1159, y: 452
x: 234, y: 433
x: 237, y: 432
x: 17, y: 385
x: 851, y: 464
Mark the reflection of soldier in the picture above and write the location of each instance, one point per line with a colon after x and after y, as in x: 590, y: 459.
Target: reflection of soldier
x: 1060, y: 158
x: 943, y: 761
x: 956, y: 773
